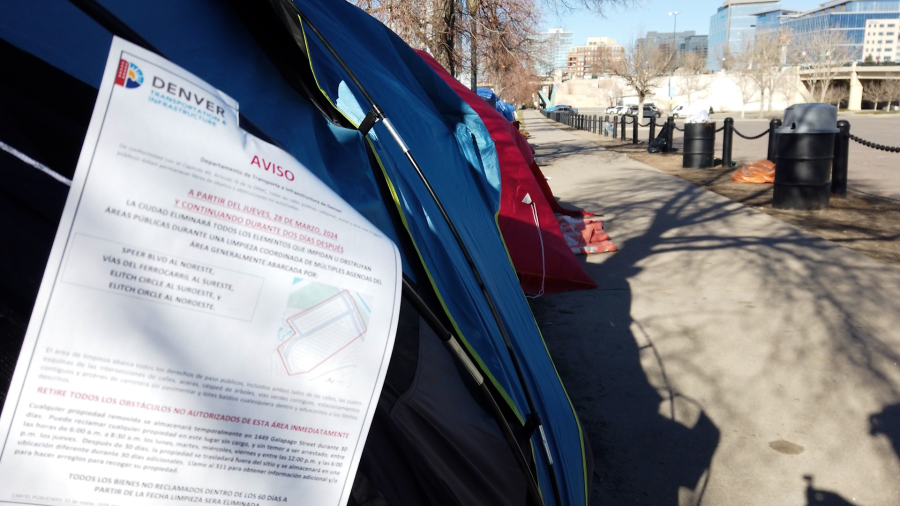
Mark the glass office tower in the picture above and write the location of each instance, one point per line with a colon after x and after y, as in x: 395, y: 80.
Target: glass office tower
x: 733, y: 24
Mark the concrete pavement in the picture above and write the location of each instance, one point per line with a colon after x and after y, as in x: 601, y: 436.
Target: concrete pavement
x: 727, y: 357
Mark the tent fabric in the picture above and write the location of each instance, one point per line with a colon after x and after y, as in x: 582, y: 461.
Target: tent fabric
x: 426, y: 112
x: 542, y: 259
x: 433, y: 120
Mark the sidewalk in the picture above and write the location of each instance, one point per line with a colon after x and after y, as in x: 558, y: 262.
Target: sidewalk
x: 726, y: 355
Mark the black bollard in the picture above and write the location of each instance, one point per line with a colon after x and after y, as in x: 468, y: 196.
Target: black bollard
x: 652, y: 129
x: 624, y: 122
x: 727, y: 139
x: 670, y: 122
x: 839, y: 166
x: 615, y: 125
x: 772, y: 153
x: 594, y: 124
x: 634, y: 129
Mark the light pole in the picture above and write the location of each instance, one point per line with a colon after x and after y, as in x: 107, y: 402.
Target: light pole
x: 674, y: 49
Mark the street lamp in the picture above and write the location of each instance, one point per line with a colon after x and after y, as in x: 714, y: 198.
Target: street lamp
x: 674, y: 49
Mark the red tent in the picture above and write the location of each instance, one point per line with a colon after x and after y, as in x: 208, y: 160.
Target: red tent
x: 540, y: 255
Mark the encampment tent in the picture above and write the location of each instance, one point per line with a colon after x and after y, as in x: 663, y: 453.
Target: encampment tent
x: 502, y: 107
x: 433, y: 441
x: 542, y: 259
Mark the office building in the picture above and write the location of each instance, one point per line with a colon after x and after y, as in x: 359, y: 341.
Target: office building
x: 880, y: 41
x: 773, y: 19
x: 598, y: 55
x: 695, y: 44
x: 665, y: 39
x: 554, y: 50
x: 732, y: 26
x: 852, y: 18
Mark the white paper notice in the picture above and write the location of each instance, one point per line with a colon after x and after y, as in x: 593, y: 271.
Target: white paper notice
x: 214, y: 324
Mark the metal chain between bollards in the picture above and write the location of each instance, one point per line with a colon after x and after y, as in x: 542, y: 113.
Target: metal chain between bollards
x: 765, y: 132
x: 676, y: 127
x: 881, y: 147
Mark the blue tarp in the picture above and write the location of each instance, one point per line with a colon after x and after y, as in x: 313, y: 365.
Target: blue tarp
x: 451, y: 143
x: 506, y: 109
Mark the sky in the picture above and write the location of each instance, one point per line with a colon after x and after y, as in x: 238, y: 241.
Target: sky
x: 623, y: 24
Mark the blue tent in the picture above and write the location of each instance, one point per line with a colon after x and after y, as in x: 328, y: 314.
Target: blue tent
x: 506, y: 109
x: 299, y: 96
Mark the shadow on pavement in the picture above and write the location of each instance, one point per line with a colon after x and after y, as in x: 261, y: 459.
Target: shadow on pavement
x: 816, y: 497
x: 887, y: 423
x: 652, y: 443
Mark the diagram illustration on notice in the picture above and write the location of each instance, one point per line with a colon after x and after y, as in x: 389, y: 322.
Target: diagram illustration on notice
x: 328, y: 324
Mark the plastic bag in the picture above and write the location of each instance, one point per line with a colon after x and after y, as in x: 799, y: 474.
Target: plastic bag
x: 758, y: 172
x: 585, y: 236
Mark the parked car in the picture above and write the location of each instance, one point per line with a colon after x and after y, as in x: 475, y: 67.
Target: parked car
x: 621, y: 109
x: 650, y: 110
x: 611, y: 110
x: 563, y: 108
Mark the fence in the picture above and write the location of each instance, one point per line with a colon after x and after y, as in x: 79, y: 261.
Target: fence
x: 615, y: 127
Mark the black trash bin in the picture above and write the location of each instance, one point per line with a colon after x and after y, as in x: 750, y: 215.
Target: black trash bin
x: 804, y: 157
x: 699, y: 145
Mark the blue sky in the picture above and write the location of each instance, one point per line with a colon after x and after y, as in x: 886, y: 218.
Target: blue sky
x: 649, y: 15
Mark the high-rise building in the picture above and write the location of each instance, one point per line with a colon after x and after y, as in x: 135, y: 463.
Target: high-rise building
x: 554, y: 48
x: 773, y: 18
x: 852, y: 18
x: 881, y: 42
x: 695, y: 44
x: 733, y: 25
x: 665, y: 39
x: 599, y: 54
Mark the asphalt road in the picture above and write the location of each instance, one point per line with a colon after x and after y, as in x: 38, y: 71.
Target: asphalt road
x: 870, y: 171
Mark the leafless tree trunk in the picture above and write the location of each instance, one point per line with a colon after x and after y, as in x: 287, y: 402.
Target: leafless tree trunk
x: 875, y: 92
x: 761, y: 61
x: 692, y: 79
x: 891, y: 91
x: 821, y: 54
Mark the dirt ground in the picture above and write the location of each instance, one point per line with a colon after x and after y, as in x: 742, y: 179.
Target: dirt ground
x: 867, y: 224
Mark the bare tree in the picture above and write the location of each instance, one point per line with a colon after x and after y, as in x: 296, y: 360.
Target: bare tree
x: 761, y: 61
x: 641, y: 68
x: 464, y: 34
x: 837, y: 93
x: 891, y: 91
x: 745, y: 83
x: 821, y: 54
x: 693, y: 81
x: 875, y: 92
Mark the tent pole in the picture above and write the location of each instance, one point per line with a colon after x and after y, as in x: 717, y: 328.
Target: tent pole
x: 373, y: 117
x: 411, y: 295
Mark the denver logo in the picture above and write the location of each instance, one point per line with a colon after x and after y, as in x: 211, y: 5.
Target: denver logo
x: 129, y: 75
